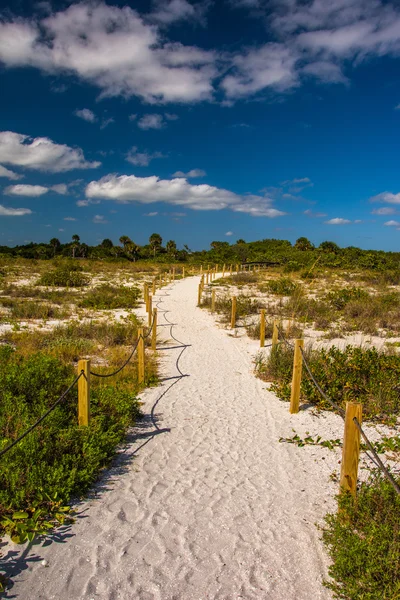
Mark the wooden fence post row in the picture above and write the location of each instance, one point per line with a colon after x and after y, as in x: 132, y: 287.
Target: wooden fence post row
x: 262, y: 328
x: 140, y: 356
x: 296, y: 379
x: 351, y: 448
x: 84, y: 393
x: 233, y: 315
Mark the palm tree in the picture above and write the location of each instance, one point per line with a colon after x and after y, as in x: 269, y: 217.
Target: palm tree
x: 55, y: 243
x: 155, y: 242
x: 75, y: 244
x: 124, y: 240
x: 171, y: 248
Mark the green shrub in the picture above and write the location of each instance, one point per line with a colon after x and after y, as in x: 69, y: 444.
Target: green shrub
x: 33, y: 310
x: 64, y: 276
x: 354, y: 374
x: 339, y: 298
x: 108, y: 297
x: 363, y: 540
x: 282, y: 287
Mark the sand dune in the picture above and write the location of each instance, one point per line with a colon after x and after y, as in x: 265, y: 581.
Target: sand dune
x: 204, y: 502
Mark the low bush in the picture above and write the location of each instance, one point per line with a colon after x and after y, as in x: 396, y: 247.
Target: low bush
x: 363, y: 540
x: 356, y: 374
x: 66, y: 275
x: 33, y: 310
x: 281, y: 287
x: 110, y: 297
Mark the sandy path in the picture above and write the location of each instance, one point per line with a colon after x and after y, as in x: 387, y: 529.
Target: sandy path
x: 214, y: 508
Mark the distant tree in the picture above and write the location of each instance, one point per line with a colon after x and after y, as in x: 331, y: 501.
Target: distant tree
x: 155, y: 242
x: 171, y: 248
x: 219, y: 245
x: 240, y: 241
x: 132, y: 250
x: 55, y: 244
x: 302, y: 243
x: 124, y: 240
x: 75, y: 244
x: 107, y: 244
x: 329, y: 247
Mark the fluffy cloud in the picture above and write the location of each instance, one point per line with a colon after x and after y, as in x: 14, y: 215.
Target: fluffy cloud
x: 142, y: 159
x: 337, y: 221
x: 178, y: 191
x: 14, y: 212
x: 314, y: 215
x: 99, y: 219
x: 26, y: 190
x: 190, y: 174
x: 86, y: 114
x: 112, y: 48
x: 384, y: 210
x: 9, y: 174
x: 153, y: 121
x: 70, y: 219
x: 392, y: 224
x: 387, y: 197
x: 40, y: 154
x: 229, y: 233
x: 178, y: 10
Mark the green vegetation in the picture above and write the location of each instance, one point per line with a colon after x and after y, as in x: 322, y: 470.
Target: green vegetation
x: 66, y: 275
x: 356, y: 374
x: 108, y: 296
x: 363, y: 539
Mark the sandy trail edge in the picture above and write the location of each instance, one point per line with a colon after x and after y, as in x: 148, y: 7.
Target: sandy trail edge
x: 212, y: 506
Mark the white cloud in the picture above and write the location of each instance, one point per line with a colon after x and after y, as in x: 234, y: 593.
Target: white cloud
x: 99, y: 219
x: 387, y: 197
x: 61, y: 229
x: 70, y: 219
x: 142, y: 159
x: 190, y: 174
x: 384, y: 210
x: 60, y: 188
x: 112, y: 48
x: 392, y: 223
x: 153, y: 121
x: 86, y: 114
x: 105, y: 122
x: 151, y: 214
x: 9, y: 174
x: 178, y: 10
x: 147, y: 190
x: 271, y: 65
x: 171, y: 117
x: 14, y: 212
x: 314, y: 215
x: 229, y: 233
x: 40, y: 154
x: 26, y: 190
x: 337, y: 221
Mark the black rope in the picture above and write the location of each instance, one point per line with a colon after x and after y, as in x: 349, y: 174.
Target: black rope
x: 141, y: 337
x: 46, y: 414
x: 321, y: 391
x: 377, y: 458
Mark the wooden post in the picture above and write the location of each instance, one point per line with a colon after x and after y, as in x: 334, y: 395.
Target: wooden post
x: 183, y: 272
x: 199, y: 295
x: 84, y: 393
x: 173, y: 274
x: 351, y: 448
x: 154, y: 332
x: 262, y: 328
x: 230, y: 271
x: 154, y: 286
x: 296, y: 379
x: 233, y: 316
x: 275, y: 334
x: 207, y: 277
x: 140, y: 356
x: 201, y: 268
x: 160, y: 276
x: 223, y: 271
x: 150, y: 311
x: 213, y: 301
x: 147, y: 300
x: 145, y: 292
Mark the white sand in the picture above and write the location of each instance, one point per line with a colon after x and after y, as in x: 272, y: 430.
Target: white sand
x: 211, y: 505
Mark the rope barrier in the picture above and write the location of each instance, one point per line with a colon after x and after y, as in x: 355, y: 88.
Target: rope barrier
x: 46, y: 414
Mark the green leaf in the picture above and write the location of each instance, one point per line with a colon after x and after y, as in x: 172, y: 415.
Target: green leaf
x: 20, y: 515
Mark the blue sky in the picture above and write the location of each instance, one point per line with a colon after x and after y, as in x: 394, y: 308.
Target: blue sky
x: 200, y: 121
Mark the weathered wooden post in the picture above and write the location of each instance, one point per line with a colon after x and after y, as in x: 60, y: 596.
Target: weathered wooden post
x: 154, y: 286
x: 84, y: 393
x: 160, y: 276
x: 199, y: 295
x: 351, y: 448
x: 262, y: 328
x: 275, y: 333
x: 201, y: 269
x: 173, y: 274
x: 150, y: 311
x: 223, y: 270
x: 183, y: 272
x: 207, y: 275
x: 145, y: 292
x: 213, y: 301
x: 230, y: 270
x: 233, y: 315
x: 154, y: 332
x: 140, y: 356
x: 296, y: 378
